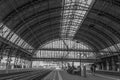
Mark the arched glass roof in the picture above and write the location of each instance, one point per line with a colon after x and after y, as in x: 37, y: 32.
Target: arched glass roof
x: 9, y: 35
x: 64, y: 44
x: 33, y: 23
x: 72, y: 15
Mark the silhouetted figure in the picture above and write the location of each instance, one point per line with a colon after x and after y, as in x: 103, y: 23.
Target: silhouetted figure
x: 93, y: 69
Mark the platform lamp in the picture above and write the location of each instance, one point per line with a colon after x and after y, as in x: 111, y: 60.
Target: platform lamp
x: 79, y: 54
x: 118, y: 63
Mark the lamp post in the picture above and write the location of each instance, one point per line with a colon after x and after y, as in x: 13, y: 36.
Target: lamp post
x: 119, y: 62
x: 80, y: 62
x: 79, y: 54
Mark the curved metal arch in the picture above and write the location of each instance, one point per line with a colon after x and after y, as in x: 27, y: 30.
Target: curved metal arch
x: 86, y: 44
x: 115, y: 2
x: 26, y: 32
x: 46, y: 36
x: 67, y: 39
x: 20, y: 25
x: 55, y: 33
x: 40, y: 29
x: 41, y: 38
x: 47, y: 27
x: 41, y: 12
x: 95, y: 42
x: 90, y: 32
x: 94, y: 48
x: 103, y: 33
x: 47, y: 10
x: 46, y: 39
x: 44, y: 33
x: 97, y: 34
x: 87, y: 41
x: 29, y: 38
x: 21, y: 9
x: 108, y: 16
x: 91, y: 38
x: 48, y: 42
x: 35, y: 25
x: 97, y: 22
x: 91, y: 45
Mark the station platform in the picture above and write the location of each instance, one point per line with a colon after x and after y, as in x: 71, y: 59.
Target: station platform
x: 63, y: 75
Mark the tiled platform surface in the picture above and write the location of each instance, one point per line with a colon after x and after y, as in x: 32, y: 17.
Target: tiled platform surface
x: 52, y: 76
x: 63, y: 75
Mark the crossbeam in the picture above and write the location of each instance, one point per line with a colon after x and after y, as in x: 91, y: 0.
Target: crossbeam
x: 76, y: 50
x: 66, y: 59
x: 13, y: 45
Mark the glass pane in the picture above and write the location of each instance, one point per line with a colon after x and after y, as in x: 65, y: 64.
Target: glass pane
x: 13, y: 38
x: 20, y: 42
x: 6, y: 33
x: 18, y: 39
x: 9, y: 35
x: 59, y: 44
x: 73, y: 13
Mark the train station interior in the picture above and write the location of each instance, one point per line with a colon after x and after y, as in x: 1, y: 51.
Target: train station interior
x: 59, y: 39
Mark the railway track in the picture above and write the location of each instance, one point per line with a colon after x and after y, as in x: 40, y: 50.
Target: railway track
x: 33, y: 75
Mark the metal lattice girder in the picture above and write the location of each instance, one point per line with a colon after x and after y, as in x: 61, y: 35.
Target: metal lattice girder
x: 13, y: 45
x: 76, y: 50
x: 66, y: 59
x: 72, y: 15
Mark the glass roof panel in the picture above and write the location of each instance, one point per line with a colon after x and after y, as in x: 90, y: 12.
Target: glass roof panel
x: 113, y: 48
x: 13, y: 38
x: 72, y: 15
x: 60, y: 44
x: 70, y: 43
x: 6, y: 33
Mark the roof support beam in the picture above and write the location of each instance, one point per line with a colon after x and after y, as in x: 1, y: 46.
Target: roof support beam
x: 74, y: 50
x: 13, y: 45
x: 66, y: 59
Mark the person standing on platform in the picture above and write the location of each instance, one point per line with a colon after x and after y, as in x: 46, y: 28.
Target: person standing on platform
x: 93, y: 69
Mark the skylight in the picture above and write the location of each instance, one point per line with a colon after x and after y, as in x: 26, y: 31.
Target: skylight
x: 60, y: 45
x: 6, y: 33
x: 113, y: 48
x: 70, y: 43
x: 72, y: 16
